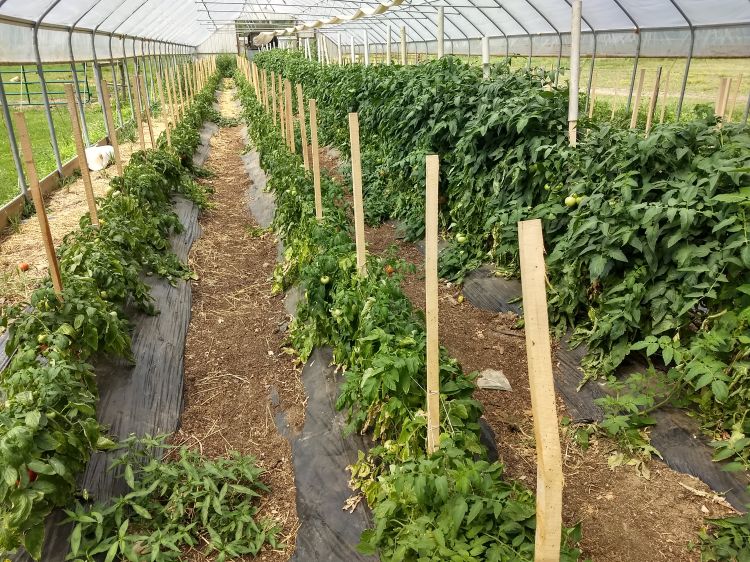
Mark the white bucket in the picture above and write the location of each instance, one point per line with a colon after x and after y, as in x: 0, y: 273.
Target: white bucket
x: 99, y: 157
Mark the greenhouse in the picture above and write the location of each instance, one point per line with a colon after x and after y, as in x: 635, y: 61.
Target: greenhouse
x: 348, y: 280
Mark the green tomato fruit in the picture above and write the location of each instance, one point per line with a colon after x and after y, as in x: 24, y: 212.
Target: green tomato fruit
x: 461, y: 238
x: 570, y: 201
x: 324, y: 280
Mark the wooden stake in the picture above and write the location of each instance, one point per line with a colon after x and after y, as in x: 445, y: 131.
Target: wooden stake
x: 359, y: 215
x: 186, y: 84
x: 36, y: 194
x: 718, y: 110
x: 302, y: 126
x: 81, y: 152
x: 265, y: 89
x: 273, y: 95
x: 539, y: 358
x: 315, y: 158
x: 178, y: 83
x: 111, y: 126
x: 431, y: 295
x: 652, y: 102
x: 734, y: 99
x: 137, y: 111
x: 282, y: 111
x: 164, y: 110
x: 725, y: 98
x: 665, y: 98
x: 637, y: 102
x: 289, y: 117
x: 149, y: 122
x: 172, y: 96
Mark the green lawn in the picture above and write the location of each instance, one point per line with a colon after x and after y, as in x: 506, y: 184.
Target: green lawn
x: 37, y: 123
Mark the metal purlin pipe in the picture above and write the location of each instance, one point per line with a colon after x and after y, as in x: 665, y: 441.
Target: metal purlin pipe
x: 507, y: 43
x: 43, y: 84
x: 118, y: 107
x: 559, y: 38
x: 144, y: 69
x: 637, y: 53
x: 531, y: 39
x: 12, y: 140
x: 97, y: 70
x: 79, y: 98
x: 98, y: 73
x: 479, y: 31
x: 591, y: 74
x: 74, y: 70
x: 124, y: 52
x: 678, y: 112
x: 127, y: 77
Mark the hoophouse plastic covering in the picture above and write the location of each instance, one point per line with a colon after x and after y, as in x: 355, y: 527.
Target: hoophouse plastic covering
x: 89, y: 29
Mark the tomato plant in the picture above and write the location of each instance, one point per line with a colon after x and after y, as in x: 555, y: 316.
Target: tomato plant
x: 48, y: 425
x: 646, y: 237
x: 379, y: 341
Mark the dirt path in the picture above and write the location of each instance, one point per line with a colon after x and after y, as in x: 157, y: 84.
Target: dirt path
x: 236, y: 375
x: 65, y: 207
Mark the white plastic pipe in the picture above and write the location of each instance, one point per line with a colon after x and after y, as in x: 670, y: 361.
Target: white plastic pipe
x: 388, y: 46
x: 486, y: 57
x: 367, y: 49
x: 403, y: 45
x: 575, y: 69
x: 353, y: 57
x: 440, y: 32
x: 338, y: 44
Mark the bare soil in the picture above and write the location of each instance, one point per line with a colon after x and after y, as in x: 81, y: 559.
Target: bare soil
x: 65, y: 207
x: 624, y: 517
x: 234, y: 362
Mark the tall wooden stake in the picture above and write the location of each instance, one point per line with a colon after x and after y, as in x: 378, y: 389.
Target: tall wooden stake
x: 359, y: 215
x: 178, y: 83
x: 289, y: 116
x: 652, y: 102
x: 637, y: 102
x: 172, y: 95
x: 544, y: 410
x: 303, y: 126
x: 282, y: 111
x: 315, y: 158
x: 164, y: 109
x: 665, y: 97
x: 431, y: 294
x: 36, y: 195
x: 147, y: 111
x: 81, y: 153
x: 403, y: 45
x: 111, y: 127
x: 273, y: 96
